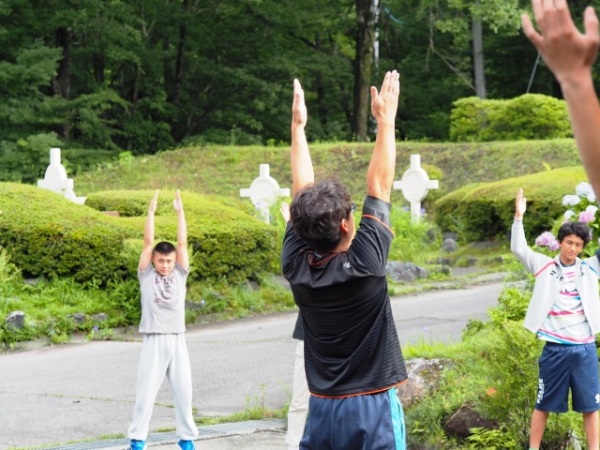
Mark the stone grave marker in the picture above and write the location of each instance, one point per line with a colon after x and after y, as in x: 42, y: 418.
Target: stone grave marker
x: 264, y: 191
x: 55, y: 178
x: 415, y: 184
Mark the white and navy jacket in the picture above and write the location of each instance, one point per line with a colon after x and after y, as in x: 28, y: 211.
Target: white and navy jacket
x: 548, y: 273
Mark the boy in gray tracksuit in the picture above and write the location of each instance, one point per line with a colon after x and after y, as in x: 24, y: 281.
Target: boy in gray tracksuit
x: 564, y: 311
x: 163, y: 271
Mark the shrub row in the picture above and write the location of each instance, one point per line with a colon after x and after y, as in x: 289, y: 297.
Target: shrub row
x: 529, y: 116
x: 485, y: 211
x: 47, y: 235
x: 226, y: 242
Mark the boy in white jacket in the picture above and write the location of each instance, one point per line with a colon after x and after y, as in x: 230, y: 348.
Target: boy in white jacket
x: 570, y: 55
x: 564, y: 311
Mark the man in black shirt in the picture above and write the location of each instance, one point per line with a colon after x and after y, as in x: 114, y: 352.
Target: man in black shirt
x: 352, y: 354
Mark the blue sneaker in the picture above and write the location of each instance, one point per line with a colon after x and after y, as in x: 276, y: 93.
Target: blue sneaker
x: 186, y: 445
x: 137, y: 445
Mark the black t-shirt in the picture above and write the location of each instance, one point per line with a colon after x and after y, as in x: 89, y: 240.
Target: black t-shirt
x: 298, y: 328
x: 350, y: 340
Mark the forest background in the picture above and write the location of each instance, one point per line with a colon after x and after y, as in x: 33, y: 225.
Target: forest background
x: 98, y: 78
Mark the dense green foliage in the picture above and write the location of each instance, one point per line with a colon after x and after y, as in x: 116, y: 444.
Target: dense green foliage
x: 47, y: 235
x: 226, y: 242
x: 494, y: 371
x: 56, y: 309
x: 485, y: 211
x: 529, y: 116
x: 145, y: 76
x: 83, y: 263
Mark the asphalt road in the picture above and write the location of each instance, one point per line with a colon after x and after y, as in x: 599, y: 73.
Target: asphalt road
x: 83, y: 391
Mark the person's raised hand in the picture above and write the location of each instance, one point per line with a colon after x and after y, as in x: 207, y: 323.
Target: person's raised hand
x: 153, y: 203
x: 177, y: 203
x: 299, y: 112
x: 520, y: 205
x: 384, y: 103
x: 567, y: 52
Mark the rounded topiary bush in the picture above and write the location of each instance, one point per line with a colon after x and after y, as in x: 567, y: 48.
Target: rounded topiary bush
x: 485, y: 211
x: 226, y: 242
x: 126, y: 203
x: 133, y: 203
x: 48, y: 235
x: 470, y: 116
x: 529, y: 116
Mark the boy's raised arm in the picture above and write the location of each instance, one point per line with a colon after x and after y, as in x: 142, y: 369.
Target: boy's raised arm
x: 183, y: 258
x: 384, y: 104
x: 570, y: 55
x: 301, y: 164
x: 146, y: 255
x: 520, y: 205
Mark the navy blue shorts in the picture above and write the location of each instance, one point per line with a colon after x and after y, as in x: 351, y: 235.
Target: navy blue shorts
x: 363, y: 422
x: 564, y: 367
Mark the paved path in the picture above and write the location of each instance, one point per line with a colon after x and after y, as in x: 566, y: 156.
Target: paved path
x: 56, y: 395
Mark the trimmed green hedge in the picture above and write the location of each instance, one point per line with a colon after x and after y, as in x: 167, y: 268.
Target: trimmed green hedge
x: 527, y: 117
x: 486, y: 210
x: 48, y: 235
x: 226, y: 241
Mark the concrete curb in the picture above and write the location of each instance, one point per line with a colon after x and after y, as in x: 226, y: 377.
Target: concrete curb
x: 205, y: 433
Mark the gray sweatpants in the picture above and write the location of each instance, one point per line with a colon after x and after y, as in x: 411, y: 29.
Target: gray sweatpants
x: 163, y: 354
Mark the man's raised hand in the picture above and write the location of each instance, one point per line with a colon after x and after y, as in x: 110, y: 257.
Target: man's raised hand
x: 384, y: 104
x: 299, y: 112
x: 567, y: 52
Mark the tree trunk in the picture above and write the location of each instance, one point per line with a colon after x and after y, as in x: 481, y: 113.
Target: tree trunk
x: 62, y: 82
x: 179, y: 65
x: 61, y: 85
x: 478, y: 69
x: 98, y: 64
x: 365, y: 20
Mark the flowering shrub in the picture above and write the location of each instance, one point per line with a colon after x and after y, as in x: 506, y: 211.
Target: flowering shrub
x: 582, y: 207
x: 547, y: 239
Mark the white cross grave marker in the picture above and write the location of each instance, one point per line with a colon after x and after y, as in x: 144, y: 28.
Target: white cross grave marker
x: 415, y: 184
x: 55, y: 178
x: 263, y: 192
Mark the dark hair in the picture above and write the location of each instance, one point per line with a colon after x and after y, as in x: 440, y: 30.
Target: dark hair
x: 164, y: 248
x: 317, y: 212
x: 579, y: 229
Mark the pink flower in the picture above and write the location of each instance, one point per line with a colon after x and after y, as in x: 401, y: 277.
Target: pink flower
x: 547, y: 239
x: 586, y: 216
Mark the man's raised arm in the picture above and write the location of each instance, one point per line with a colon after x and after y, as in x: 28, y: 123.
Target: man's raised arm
x: 302, y: 168
x: 570, y: 55
x: 382, y: 167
